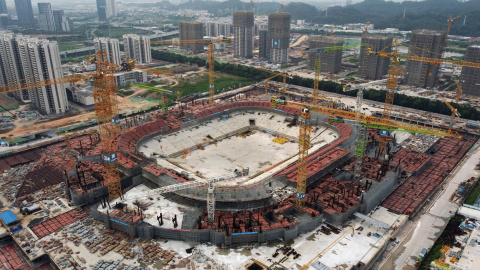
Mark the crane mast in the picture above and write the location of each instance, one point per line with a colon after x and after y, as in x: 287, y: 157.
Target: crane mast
x: 106, y: 109
x: 392, y: 81
x: 304, y: 145
x: 211, y: 71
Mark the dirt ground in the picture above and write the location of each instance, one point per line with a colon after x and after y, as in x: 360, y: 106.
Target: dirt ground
x: 125, y: 104
x: 128, y: 104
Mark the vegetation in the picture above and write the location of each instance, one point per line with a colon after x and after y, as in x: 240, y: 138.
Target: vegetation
x: 105, y: 30
x: 473, y: 194
x: 222, y: 81
x: 419, y: 103
x: 7, y: 103
x: 446, y: 238
x: 69, y: 46
x: 148, y: 87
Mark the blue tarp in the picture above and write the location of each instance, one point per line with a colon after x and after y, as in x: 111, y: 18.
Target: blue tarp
x: 8, y: 217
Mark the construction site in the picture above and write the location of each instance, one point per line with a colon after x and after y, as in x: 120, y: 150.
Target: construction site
x: 265, y: 176
x: 227, y: 174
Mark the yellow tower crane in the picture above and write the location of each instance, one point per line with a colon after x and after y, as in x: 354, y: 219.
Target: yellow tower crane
x: 211, y: 57
x: 454, y: 112
x: 317, y: 67
x: 369, y: 121
x: 392, y: 79
x: 459, y: 91
x: 106, y: 109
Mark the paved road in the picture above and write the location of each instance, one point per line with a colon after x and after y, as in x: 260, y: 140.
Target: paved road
x: 424, y: 231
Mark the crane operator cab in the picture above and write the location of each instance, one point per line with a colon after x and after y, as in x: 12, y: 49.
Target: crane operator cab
x: 305, y: 113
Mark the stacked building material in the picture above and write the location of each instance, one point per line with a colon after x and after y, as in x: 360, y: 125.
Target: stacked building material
x: 412, y: 194
x: 51, y: 225
x: 412, y: 162
x: 335, y: 196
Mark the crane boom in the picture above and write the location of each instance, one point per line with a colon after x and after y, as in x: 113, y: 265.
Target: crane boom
x: 211, y: 57
x: 30, y: 85
x: 454, y: 111
x: 373, y: 121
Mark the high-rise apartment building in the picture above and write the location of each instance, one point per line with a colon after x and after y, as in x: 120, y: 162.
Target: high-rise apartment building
x: 45, y: 17
x: 470, y: 78
x: 111, y: 46
x: 10, y: 68
x: 25, y: 13
x: 3, y: 7
x: 330, y: 61
x: 278, y: 37
x: 61, y: 22
x: 4, y: 21
x: 106, y: 9
x: 138, y: 48
x: 262, y: 44
x: 243, y: 31
x: 374, y: 67
x: 33, y: 60
x: 424, y: 43
x: 191, y: 31
x: 219, y: 28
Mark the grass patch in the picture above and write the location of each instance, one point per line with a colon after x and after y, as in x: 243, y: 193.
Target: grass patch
x: 148, y: 87
x: 119, y: 32
x: 446, y: 238
x: 222, y: 81
x: 7, y: 103
x: 473, y: 194
x: 69, y: 46
x: 353, y: 60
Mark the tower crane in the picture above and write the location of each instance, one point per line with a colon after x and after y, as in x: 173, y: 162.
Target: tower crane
x: 106, y: 109
x: 209, y: 183
x: 459, y: 91
x: 368, y: 121
x: 275, y: 75
x: 331, y: 32
x: 316, y: 80
x: 211, y: 57
x: 392, y: 80
x: 454, y: 112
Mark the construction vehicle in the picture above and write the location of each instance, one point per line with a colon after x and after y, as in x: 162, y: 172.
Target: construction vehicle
x: 211, y: 57
x: 454, y: 112
x: 368, y: 121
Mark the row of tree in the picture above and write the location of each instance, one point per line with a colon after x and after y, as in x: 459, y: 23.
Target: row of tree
x: 419, y: 103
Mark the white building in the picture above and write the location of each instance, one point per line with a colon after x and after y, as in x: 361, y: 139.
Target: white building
x: 111, y: 46
x: 138, y: 48
x: 45, y: 17
x: 127, y: 77
x: 84, y: 95
x: 61, y: 22
x: 40, y: 60
x: 10, y: 68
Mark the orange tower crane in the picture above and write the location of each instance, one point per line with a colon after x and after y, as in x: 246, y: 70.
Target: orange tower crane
x: 211, y: 57
x: 370, y: 121
x: 454, y: 112
x: 459, y: 91
x: 392, y: 80
x: 106, y: 110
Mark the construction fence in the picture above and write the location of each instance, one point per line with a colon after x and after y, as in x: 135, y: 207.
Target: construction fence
x: 148, y: 231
